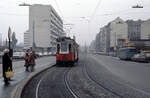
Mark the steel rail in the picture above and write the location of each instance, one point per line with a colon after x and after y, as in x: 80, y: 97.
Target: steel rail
x: 68, y: 85
x: 89, y: 76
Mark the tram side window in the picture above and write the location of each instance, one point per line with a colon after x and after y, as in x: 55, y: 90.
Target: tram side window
x: 69, y: 47
x: 58, y: 48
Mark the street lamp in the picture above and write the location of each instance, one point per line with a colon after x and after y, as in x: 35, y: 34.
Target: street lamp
x: 9, y: 36
x: 9, y: 43
x: 137, y: 6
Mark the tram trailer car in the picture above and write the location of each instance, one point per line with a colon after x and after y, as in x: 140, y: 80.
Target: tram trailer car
x: 67, y: 51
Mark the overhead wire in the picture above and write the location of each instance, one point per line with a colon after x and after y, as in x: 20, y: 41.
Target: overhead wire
x: 96, y: 8
x: 14, y: 14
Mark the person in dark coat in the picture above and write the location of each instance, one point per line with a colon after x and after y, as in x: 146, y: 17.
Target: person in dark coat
x: 6, y: 64
x: 32, y: 61
x: 27, y: 61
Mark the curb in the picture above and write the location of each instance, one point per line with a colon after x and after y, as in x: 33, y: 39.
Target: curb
x: 16, y: 93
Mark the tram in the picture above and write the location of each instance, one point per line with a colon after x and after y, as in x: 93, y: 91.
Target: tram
x: 66, y: 50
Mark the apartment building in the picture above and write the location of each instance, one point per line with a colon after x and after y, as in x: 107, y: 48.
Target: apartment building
x: 45, y: 25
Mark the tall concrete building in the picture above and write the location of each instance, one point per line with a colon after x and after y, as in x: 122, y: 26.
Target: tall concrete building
x: 110, y: 36
x: 102, y: 41
x: 97, y: 42
x: 145, y: 30
x: 118, y: 30
x: 27, y: 39
x: 1, y: 41
x: 134, y: 29
x: 45, y: 25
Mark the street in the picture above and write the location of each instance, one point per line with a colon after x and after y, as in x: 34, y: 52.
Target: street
x: 20, y: 74
x: 94, y: 76
x: 133, y: 72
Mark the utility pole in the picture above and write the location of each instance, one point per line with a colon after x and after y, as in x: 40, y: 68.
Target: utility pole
x: 9, y: 43
x: 33, y: 43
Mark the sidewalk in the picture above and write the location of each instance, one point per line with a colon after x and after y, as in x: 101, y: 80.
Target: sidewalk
x: 20, y: 74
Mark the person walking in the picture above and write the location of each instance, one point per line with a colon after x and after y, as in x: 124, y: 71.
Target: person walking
x: 27, y: 61
x: 6, y: 65
x: 32, y: 61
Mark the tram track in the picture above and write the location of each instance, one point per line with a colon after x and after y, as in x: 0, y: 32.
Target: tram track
x: 98, y: 83
x: 52, y: 83
x: 84, y: 87
x: 68, y: 85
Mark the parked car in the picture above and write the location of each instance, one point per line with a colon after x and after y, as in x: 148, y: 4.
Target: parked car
x: 1, y: 54
x: 148, y: 56
x: 18, y: 55
x: 141, y: 58
x: 45, y: 54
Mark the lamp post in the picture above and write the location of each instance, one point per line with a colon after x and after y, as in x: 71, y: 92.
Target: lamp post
x: 33, y: 42
x: 9, y: 36
x: 9, y: 43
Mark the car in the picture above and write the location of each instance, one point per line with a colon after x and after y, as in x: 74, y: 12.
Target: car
x: 148, y: 56
x: 140, y: 58
x: 45, y: 54
x: 1, y: 54
x: 18, y: 55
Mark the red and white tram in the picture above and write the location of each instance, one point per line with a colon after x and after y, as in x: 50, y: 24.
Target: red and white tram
x: 67, y: 50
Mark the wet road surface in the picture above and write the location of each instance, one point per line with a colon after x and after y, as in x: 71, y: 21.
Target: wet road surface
x: 87, y: 79
x: 136, y: 74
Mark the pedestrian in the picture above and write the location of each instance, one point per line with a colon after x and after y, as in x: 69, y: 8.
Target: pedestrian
x: 27, y: 61
x: 32, y: 61
x: 6, y: 65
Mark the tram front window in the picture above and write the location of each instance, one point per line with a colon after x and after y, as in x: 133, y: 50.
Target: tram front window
x: 64, y: 47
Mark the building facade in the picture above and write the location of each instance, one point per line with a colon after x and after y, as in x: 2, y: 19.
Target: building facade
x: 1, y: 41
x: 27, y: 39
x: 118, y: 33
x: 118, y: 30
x: 145, y: 30
x: 45, y: 25
x: 134, y: 29
x: 97, y: 42
x: 102, y: 41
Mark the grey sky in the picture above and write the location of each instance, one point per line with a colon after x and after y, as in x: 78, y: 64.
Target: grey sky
x: 73, y: 12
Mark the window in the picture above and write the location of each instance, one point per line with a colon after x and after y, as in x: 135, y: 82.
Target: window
x: 64, y: 47
x: 69, y: 47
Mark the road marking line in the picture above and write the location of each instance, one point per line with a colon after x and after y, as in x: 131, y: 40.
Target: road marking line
x: 37, y: 88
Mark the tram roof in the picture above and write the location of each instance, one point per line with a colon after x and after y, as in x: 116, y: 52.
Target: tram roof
x: 60, y: 39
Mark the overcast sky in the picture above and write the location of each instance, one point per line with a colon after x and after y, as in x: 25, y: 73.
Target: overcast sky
x: 80, y: 13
